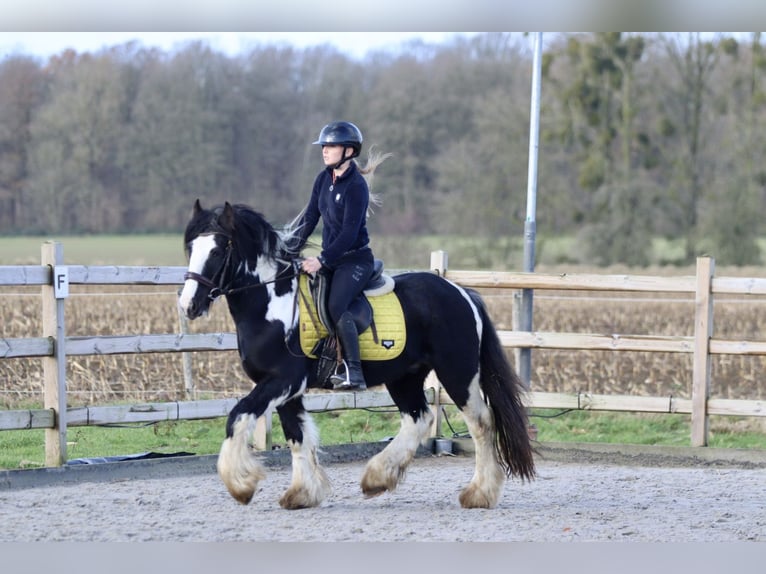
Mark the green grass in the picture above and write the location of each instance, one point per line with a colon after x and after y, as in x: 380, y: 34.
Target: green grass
x: 579, y: 426
x: 398, y: 252
x: 161, y: 249
x: 645, y: 429
x: 25, y: 449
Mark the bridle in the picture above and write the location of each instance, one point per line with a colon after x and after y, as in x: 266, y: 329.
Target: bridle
x: 219, y: 289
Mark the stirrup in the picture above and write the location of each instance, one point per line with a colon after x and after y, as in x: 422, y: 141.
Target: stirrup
x: 341, y: 381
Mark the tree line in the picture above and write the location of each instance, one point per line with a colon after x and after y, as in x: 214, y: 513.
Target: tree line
x: 643, y: 137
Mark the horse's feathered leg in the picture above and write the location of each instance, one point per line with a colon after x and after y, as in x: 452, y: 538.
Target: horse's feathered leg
x: 488, y: 479
x: 238, y: 465
x: 309, y: 485
x: 503, y: 390
x: 385, y: 470
x: 487, y: 391
x: 497, y: 420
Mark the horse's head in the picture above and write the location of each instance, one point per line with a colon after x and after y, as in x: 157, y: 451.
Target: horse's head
x: 208, y: 246
x: 227, y: 245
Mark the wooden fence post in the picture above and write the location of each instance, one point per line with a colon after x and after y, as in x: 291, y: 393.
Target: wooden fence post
x: 703, y: 331
x: 262, y: 439
x: 439, y: 265
x: 516, y: 311
x: 186, y: 359
x: 54, y: 367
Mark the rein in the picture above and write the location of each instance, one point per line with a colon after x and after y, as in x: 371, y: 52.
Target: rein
x: 217, y: 290
x: 220, y: 290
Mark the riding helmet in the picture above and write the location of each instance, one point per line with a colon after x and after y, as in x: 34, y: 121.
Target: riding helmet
x: 341, y: 133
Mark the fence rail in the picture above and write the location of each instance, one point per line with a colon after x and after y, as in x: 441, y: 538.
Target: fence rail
x: 54, y: 279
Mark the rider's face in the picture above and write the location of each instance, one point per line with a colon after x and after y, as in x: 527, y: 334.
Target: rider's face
x: 332, y: 154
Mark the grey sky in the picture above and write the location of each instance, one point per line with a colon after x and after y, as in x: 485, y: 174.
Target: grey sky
x: 356, y: 44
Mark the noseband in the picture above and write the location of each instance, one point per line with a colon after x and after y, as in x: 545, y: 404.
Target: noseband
x: 215, y: 290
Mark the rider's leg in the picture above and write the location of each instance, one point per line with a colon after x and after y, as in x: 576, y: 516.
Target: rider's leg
x: 348, y: 281
x: 349, y: 341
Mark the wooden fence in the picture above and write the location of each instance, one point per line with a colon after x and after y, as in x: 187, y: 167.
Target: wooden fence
x: 54, y: 346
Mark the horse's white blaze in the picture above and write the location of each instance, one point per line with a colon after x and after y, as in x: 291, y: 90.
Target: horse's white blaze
x: 201, y: 247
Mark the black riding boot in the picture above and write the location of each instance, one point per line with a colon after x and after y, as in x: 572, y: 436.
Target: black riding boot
x: 352, y: 379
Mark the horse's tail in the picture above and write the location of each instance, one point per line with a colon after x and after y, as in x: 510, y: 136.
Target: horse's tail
x: 503, y: 392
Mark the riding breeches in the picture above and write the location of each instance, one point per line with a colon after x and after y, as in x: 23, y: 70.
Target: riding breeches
x: 349, y: 278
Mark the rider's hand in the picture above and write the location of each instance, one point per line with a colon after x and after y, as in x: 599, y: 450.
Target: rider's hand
x: 311, y: 265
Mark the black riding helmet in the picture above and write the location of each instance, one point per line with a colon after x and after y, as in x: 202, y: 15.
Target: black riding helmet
x: 341, y: 133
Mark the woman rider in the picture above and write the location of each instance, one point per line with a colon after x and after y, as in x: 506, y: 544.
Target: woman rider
x: 341, y: 197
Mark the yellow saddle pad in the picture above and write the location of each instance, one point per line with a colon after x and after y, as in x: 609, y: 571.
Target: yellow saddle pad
x: 388, y: 320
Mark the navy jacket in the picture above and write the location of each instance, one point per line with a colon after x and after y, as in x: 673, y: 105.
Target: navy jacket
x: 343, y: 208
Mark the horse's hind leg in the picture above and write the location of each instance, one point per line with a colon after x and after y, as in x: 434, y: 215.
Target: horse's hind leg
x: 489, y: 478
x: 385, y: 470
x: 309, y: 485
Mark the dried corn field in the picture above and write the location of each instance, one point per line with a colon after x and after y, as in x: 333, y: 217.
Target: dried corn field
x: 100, y: 311
x: 639, y: 373
x: 94, y: 311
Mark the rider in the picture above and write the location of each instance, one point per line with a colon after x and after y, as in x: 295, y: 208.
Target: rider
x: 341, y: 197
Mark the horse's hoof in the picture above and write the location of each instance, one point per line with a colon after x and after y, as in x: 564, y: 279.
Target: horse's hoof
x: 243, y: 496
x: 473, y: 497
x: 297, y: 500
x: 373, y: 491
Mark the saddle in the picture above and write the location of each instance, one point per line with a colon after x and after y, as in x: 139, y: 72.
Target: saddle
x: 377, y: 313
x: 361, y: 308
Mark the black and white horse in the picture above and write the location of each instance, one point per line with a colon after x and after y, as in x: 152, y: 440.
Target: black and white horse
x: 233, y: 251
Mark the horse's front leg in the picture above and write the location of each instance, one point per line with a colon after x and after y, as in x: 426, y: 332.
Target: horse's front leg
x: 238, y: 464
x: 309, y: 485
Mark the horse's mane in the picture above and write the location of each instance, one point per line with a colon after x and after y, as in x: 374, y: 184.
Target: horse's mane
x: 253, y: 234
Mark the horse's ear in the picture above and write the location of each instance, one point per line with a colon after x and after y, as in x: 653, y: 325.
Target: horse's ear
x: 226, y: 220
x: 197, y: 208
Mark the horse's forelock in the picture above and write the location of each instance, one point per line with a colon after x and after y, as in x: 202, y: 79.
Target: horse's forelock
x: 201, y: 222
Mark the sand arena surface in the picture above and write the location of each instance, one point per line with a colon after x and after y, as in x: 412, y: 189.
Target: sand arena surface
x: 577, y: 497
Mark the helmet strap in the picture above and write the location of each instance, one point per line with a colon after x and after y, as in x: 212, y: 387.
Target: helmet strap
x: 344, y: 159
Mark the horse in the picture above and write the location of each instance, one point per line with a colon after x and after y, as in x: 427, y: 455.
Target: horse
x: 233, y: 251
